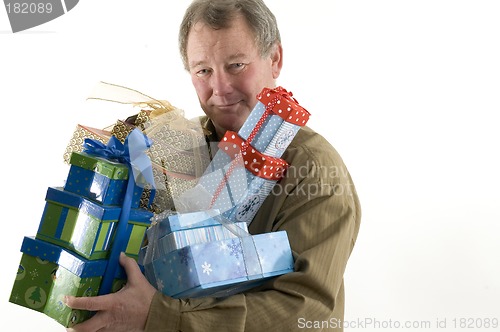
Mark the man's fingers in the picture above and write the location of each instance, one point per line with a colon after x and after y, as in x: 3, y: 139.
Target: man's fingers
x: 90, y: 303
x: 131, y: 267
x: 95, y: 324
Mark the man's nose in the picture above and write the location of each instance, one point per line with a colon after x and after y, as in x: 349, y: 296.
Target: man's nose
x: 221, y: 83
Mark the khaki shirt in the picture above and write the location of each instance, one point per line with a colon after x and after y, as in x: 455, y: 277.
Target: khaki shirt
x: 317, y: 205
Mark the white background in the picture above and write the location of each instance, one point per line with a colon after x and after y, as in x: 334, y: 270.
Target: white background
x: 407, y: 91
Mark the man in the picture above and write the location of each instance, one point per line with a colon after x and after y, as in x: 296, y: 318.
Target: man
x: 232, y: 50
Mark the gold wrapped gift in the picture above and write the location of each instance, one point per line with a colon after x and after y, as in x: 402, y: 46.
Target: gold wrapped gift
x: 179, y: 144
x: 179, y: 155
x: 169, y: 187
x: 81, y: 132
x: 122, y: 128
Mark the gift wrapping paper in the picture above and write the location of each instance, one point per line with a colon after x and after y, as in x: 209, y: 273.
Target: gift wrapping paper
x: 77, y: 223
x: 221, y: 266
x: 179, y: 153
x: 99, y: 179
x: 139, y: 222
x: 183, y: 238
x: 47, y: 273
x: 121, y: 129
x: 169, y: 222
x: 179, y: 150
x: 169, y: 187
x: 80, y: 133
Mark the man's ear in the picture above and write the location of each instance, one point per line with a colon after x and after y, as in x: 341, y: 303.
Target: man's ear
x: 277, y: 60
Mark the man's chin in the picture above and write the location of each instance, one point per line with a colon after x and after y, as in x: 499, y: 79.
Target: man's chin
x: 225, y: 126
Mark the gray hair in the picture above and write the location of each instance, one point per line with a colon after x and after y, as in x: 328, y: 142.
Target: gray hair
x: 218, y: 14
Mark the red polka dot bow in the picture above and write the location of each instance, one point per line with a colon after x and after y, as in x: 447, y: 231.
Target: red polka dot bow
x: 281, y: 102
x: 267, y: 167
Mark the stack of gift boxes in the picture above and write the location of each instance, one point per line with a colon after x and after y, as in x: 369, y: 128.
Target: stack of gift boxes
x: 200, y: 247
x: 70, y: 253
x: 242, y: 173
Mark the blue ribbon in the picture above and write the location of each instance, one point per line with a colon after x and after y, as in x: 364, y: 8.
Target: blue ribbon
x: 132, y: 153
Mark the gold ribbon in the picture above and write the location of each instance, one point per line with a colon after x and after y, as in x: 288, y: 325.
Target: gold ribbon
x: 123, y: 95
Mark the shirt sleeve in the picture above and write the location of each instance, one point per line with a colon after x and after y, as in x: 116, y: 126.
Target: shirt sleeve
x: 317, y: 205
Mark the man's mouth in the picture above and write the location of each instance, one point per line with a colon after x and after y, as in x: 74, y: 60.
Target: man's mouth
x: 227, y: 107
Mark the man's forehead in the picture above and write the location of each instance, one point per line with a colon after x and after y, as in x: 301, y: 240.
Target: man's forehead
x: 206, y: 59
x: 227, y: 44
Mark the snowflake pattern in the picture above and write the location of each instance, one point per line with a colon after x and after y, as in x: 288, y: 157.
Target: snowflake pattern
x: 16, y: 298
x: 284, y: 140
x: 34, y: 274
x: 235, y: 249
x: 206, y: 268
x: 159, y: 284
x: 184, y: 255
x: 222, y: 246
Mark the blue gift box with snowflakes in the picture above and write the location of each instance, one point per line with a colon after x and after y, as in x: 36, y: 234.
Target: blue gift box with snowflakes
x: 221, y: 268
x: 173, y: 230
x: 247, y: 165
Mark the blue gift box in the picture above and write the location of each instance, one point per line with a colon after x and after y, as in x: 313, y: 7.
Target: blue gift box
x: 183, y: 238
x: 275, y: 134
x: 180, y: 221
x: 221, y: 267
x: 99, y: 179
x: 169, y: 222
x: 242, y: 193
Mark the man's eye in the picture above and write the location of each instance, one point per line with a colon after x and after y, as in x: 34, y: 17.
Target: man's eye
x: 202, y: 72
x: 237, y: 66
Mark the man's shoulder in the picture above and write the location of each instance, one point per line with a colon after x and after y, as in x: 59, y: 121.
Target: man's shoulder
x: 308, y: 137
x: 311, y: 145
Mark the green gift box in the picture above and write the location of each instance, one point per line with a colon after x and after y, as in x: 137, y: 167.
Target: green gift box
x: 47, y: 273
x: 77, y: 223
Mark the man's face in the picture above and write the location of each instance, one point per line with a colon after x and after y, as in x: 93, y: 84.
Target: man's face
x: 228, y: 72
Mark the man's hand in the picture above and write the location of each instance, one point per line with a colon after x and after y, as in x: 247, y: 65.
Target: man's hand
x: 125, y: 310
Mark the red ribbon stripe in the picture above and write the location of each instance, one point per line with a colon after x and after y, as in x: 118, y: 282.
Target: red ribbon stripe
x: 267, y: 167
